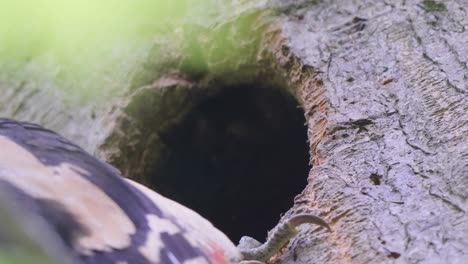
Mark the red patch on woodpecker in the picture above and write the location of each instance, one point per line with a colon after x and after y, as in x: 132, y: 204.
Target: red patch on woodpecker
x: 217, y: 256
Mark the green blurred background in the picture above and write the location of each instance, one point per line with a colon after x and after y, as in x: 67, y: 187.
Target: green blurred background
x: 87, y: 45
x: 29, y: 27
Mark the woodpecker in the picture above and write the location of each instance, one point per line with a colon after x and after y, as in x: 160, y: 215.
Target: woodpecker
x: 74, y: 208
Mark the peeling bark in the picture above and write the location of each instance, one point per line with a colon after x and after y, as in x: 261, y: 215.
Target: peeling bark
x: 383, y: 86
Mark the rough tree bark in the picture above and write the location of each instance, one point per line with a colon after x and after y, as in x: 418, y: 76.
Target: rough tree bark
x: 383, y: 85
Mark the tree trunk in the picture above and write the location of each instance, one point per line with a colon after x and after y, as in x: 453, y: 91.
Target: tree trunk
x: 383, y: 86
x: 391, y: 166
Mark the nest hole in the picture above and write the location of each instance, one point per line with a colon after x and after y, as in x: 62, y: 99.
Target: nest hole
x: 238, y: 158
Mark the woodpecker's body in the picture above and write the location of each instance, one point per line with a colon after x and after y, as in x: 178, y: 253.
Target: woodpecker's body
x: 94, y: 215
x: 98, y: 215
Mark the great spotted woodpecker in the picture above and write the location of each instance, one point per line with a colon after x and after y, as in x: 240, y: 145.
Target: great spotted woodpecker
x: 77, y: 209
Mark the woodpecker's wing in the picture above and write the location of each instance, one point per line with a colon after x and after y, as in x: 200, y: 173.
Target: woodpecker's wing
x: 98, y: 216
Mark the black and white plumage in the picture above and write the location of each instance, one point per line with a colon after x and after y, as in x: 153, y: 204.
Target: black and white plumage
x: 95, y: 214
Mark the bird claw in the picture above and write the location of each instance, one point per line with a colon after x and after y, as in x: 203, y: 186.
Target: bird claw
x: 300, y: 219
x: 247, y: 242
x: 254, y: 252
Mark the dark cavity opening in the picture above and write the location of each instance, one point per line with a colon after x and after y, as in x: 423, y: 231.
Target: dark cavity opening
x: 238, y: 158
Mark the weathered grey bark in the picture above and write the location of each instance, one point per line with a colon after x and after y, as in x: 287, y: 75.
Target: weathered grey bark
x: 391, y: 169
x: 383, y: 85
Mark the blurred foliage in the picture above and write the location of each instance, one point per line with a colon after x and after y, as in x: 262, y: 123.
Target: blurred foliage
x: 18, y: 245
x: 11, y: 258
x: 29, y: 27
x: 88, y: 45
